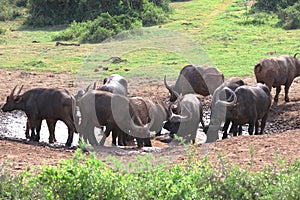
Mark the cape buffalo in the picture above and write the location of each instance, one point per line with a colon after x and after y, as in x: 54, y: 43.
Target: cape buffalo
x: 115, y: 84
x: 144, y: 109
x: 202, y: 80
x: 101, y: 108
x: 232, y: 83
x: 42, y: 103
x: 185, y: 120
x: 246, y: 104
x: 278, y: 71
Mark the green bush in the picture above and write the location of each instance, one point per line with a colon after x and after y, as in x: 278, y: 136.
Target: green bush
x: 44, y: 12
x: 2, y: 31
x: 8, y: 10
x: 86, y: 177
x: 288, y: 12
x: 272, y: 6
x: 105, y: 26
x: 290, y: 16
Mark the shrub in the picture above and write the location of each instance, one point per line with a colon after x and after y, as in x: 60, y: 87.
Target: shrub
x: 103, y: 27
x: 86, y: 177
x: 287, y: 11
x: 45, y: 12
x: 290, y: 16
x: 8, y: 11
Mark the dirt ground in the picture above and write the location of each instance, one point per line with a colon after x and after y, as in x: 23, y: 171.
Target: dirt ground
x: 281, y: 140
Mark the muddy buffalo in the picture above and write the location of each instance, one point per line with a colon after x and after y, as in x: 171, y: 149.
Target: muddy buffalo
x: 246, y: 104
x: 202, y: 80
x: 145, y: 109
x: 101, y: 108
x: 43, y: 103
x: 233, y: 83
x: 278, y: 71
x: 115, y: 84
x: 184, y: 121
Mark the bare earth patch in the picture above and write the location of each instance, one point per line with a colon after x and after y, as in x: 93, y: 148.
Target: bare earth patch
x: 283, y: 128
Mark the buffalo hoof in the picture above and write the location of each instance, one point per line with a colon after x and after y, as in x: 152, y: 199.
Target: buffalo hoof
x: 68, y: 144
x: 276, y: 99
x: 287, y: 99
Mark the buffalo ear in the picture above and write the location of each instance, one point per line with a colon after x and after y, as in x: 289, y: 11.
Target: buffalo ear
x: 18, y: 99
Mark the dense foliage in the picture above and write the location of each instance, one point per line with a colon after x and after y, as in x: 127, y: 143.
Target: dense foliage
x: 94, y: 21
x: 88, y: 178
x: 288, y: 11
x: 44, y: 12
x: 10, y: 9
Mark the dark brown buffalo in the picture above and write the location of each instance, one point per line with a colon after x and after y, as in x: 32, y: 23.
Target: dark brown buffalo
x: 115, y: 84
x: 278, y: 71
x: 42, y: 103
x: 184, y: 122
x: 202, y: 80
x: 233, y: 83
x: 145, y: 109
x: 246, y: 104
x: 101, y: 108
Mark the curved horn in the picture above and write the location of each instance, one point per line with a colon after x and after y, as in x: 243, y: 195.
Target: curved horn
x: 227, y: 103
x: 296, y: 55
x: 20, y: 90
x: 179, y: 118
x: 13, y: 91
x: 166, y: 85
x: 140, y: 131
x: 95, y: 85
x: 87, y: 88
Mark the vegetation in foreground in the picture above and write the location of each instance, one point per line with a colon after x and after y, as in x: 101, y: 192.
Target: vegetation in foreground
x: 86, y: 177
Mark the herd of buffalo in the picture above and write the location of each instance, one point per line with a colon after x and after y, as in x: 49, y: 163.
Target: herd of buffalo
x: 108, y: 107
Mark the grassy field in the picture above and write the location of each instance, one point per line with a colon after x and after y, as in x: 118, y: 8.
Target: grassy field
x: 219, y: 32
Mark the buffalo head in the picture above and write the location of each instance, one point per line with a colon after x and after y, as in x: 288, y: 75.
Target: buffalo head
x: 13, y: 101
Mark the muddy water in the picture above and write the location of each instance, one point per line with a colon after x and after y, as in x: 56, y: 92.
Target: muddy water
x: 13, y: 124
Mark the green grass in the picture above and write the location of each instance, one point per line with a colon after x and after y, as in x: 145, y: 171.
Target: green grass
x: 220, y: 31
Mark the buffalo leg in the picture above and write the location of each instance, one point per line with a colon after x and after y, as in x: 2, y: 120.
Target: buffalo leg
x: 263, y: 123
x: 114, y: 137
x: 278, y: 89
x: 27, y: 129
x: 51, y: 127
x: 147, y: 142
x: 32, y: 123
x: 251, y: 127
x: 286, y: 90
x: 38, y: 129
x: 90, y: 135
x: 141, y: 142
x: 234, y: 128
x: 106, y: 134
x: 71, y: 130
x: 240, y: 130
x: 225, y: 128
x: 256, y: 127
x: 121, y: 138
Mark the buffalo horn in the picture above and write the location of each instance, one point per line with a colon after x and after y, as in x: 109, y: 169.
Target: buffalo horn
x: 179, y: 118
x: 227, y: 103
x: 87, y: 88
x: 295, y: 55
x: 95, y: 85
x: 166, y: 85
x: 13, y: 91
x: 20, y: 90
